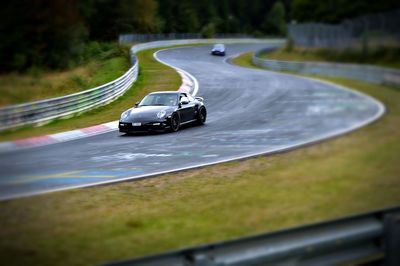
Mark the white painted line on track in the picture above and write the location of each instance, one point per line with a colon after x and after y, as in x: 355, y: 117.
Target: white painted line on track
x: 191, y: 77
x: 380, y: 105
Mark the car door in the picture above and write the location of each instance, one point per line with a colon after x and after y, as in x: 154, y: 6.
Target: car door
x: 192, y: 107
x: 186, y: 109
x: 190, y: 110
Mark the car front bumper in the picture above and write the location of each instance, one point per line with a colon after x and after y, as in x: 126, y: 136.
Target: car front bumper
x: 128, y: 127
x: 217, y: 53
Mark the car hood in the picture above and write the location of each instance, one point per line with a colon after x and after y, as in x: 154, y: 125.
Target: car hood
x: 146, y: 113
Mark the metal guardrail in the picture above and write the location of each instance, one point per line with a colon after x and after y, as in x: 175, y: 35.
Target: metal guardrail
x: 373, y: 30
x: 65, y: 106
x: 372, y: 237
x: 50, y: 109
x: 368, y: 73
x: 160, y: 44
x: 137, y: 37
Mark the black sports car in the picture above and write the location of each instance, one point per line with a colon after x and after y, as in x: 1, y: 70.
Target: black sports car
x: 160, y: 111
x: 218, y: 49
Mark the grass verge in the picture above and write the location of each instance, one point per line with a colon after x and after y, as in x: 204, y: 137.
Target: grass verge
x: 354, y: 173
x: 389, y: 57
x: 153, y: 76
x: 37, y: 84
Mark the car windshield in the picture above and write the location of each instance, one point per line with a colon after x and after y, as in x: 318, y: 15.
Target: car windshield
x: 219, y: 46
x: 162, y: 99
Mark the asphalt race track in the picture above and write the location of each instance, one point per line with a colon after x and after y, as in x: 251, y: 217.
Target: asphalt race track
x: 249, y: 112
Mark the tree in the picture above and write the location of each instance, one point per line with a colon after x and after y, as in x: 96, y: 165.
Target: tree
x: 42, y: 33
x: 143, y: 14
x: 334, y: 11
x: 111, y: 18
x: 187, y: 17
x: 208, y: 31
x: 275, y: 22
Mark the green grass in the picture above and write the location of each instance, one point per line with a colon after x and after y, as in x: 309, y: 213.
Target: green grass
x: 153, y: 76
x: 355, y: 173
x: 244, y: 60
x: 38, y: 85
x: 107, y: 71
x: 389, y: 57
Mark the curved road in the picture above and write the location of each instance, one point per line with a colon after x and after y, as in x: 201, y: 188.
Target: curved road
x: 250, y: 112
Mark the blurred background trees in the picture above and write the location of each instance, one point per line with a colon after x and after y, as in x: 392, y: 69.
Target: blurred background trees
x: 39, y: 32
x: 54, y: 34
x: 334, y: 11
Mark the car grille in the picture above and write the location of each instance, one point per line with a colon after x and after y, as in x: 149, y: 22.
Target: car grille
x: 128, y: 127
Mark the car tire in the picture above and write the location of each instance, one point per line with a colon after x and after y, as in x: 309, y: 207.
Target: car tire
x: 201, y: 116
x: 175, y: 122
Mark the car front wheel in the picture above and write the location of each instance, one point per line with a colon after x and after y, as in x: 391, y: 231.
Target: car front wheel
x: 175, y: 122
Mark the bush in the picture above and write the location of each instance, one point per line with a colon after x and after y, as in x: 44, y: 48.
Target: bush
x: 19, y: 62
x: 208, y: 31
x: 275, y: 20
x: 79, y: 81
x: 104, y: 51
x: 35, y: 72
x: 289, y: 45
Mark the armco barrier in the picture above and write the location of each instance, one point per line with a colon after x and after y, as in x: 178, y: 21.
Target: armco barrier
x: 373, y: 237
x: 137, y: 37
x: 368, y: 73
x: 47, y: 110
x: 160, y: 44
x: 50, y: 109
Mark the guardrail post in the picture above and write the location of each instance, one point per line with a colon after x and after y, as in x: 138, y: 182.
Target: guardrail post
x: 199, y: 260
x: 392, y: 239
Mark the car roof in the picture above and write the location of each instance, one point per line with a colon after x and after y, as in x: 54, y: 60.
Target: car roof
x: 165, y: 92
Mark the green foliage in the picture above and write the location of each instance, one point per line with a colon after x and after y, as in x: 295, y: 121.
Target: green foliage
x: 18, y: 62
x: 275, y: 20
x: 208, y: 31
x: 289, y: 45
x: 42, y: 33
x: 364, y: 45
x: 191, y: 20
x: 54, y: 34
x: 78, y: 81
x: 104, y: 62
x: 111, y: 18
x: 35, y: 72
x: 136, y: 16
x: 108, y: 70
x: 58, y: 34
x: 334, y: 11
x: 105, y: 50
x: 383, y: 56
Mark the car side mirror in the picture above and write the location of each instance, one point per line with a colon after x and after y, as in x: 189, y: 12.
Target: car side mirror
x: 184, y: 100
x: 199, y: 99
x: 136, y: 104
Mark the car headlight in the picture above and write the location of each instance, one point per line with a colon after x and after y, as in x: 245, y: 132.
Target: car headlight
x: 161, y: 114
x: 125, y: 114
